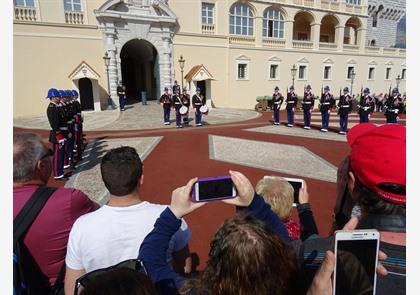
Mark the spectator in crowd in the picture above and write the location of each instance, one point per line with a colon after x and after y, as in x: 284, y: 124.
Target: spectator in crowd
x: 114, y: 232
x: 278, y: 193
x: 120, y: 281
x: 377, y: 179
x: 46, y: 239
x: 248, y: 255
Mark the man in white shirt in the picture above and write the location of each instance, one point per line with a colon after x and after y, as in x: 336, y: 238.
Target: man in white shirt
x: 115, y: 232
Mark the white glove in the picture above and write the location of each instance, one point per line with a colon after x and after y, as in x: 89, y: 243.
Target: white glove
x: 69, y: 135
x: 61, y: 142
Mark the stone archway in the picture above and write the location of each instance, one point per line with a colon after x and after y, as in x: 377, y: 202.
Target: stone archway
x: 152, y: 21
x: 138, y: 71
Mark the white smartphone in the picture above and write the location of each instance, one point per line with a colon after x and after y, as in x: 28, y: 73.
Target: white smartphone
x: 356, y: 258
x: 213, y: 189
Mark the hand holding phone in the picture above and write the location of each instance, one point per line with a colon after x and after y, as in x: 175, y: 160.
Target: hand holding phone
x: 297, y: 184
x: 356, y: 260
x: 213, y: 188
x: 181, y: 203
x: 245, y: 190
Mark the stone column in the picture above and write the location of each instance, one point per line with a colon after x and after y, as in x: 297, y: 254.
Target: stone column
x: 315, y: 34
x: 113, y: 72
x: 361, y: 39
x: 258, y: 30
x: 339, y: 37
x: 288, y: 26
x: 165, y: 63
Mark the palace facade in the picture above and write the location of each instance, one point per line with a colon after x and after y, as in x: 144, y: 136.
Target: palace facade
x: 233, y: 50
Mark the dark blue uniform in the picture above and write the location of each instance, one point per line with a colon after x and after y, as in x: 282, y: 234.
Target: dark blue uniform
x: 185, y: 98
x: 121, y: 96
x: 58, y: 123
x: 176, y: 99
x: 277, y: 100
x: 366, y: 107
x: 166, y: 101
x: 291, y: 103
x: 344, y: 108
x: 197, y: 102
x: 327, y: 102
x: 307, y: 105
x: 393, y: 108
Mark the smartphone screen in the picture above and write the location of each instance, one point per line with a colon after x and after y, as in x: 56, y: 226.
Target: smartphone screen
x: 296, y: 187
x: 210, y: 189
x: 356, y: 266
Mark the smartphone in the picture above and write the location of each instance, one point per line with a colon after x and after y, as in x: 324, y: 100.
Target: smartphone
x: 297, y: 184
x: 356, y: 258
x: 213, y: 188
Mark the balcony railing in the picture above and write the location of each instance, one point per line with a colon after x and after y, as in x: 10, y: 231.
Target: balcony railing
x: 25, y: 13
x: 391, y: 51
x: 277, y: 43
x: 74, y: 17
x: 247, y: 40
x: 207, y: 29
x: 327, y: 46
x: 310, y: 3
x: 303, y: 44
x: 349, y: 47
x: 372, y: 49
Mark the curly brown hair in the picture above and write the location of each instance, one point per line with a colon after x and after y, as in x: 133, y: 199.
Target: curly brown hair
x: 246, y: 257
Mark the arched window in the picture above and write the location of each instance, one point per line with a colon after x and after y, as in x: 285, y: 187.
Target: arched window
x: 241, y: 20
x: 273, y: 23
x: 373, y: 42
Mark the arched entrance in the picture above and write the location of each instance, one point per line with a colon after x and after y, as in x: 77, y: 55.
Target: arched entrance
x: 139, y: 70
x: 86, y: 94
x: 302, y: 26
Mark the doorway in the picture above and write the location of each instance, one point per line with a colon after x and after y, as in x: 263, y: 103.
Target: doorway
x: 86, y: 94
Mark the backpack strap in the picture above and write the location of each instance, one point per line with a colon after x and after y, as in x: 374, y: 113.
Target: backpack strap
x: 30, y: 211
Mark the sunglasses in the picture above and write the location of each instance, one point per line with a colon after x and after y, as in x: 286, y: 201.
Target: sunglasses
x: 49, y: 153
x: 84, y: 280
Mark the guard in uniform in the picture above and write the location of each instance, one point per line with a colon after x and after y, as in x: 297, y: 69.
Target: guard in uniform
x: 344, y: 108
x: 121, y: 95
x: 185, y: 98
x: 393, y: 107
x: 366, y: 106
x: 78, y: 126
x: 327, y: 102
x: 57, y: 138
x: 176, y: 88
x: 291, y: 103
x: 166, y: 101
x: 67, y: 109
x: 308, y: 103
x: 277, y: 100
x: 177, y: 103
x: 198, y: 101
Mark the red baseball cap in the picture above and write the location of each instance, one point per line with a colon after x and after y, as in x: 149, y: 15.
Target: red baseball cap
x: 378, y: 155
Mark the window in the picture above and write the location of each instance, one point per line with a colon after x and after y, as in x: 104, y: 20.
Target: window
x: 403, y: 74
x: 354, y: 2
x: 388, y: 73
x: 302, y: 72
x: 327, y: 72
x: 273, y: 23
x: 207, y: 13
x: 241, y: 20
x: 349, y: 70
x: 72, y: 5
x: 375, y: 20
x: 371, y: 73
x: 242, y: 71
x: 373, y: 43
x: 274, y: 71
x: 25, y: 3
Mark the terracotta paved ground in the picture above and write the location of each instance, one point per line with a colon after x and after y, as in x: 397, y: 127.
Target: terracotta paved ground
x: 184, y: 153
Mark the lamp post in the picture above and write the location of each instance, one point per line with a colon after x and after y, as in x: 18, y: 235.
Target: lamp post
x: 107, y: 61
x: 181, y: 61
x: 398, y: 80
x: 293, y: 71
x: 352, y: 75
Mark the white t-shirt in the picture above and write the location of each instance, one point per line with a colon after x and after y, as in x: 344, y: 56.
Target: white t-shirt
x: 110, y: 235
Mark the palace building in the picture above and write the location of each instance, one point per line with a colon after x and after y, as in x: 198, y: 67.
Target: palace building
x: 234, y: 50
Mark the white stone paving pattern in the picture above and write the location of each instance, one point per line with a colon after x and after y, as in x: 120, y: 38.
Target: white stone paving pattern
x: 289, y: 159
x: 87, y: 175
